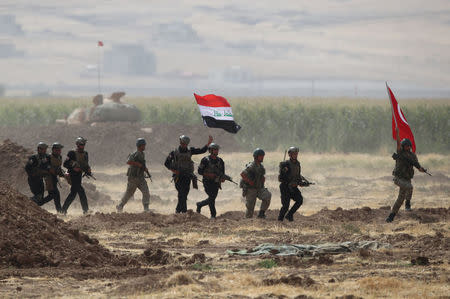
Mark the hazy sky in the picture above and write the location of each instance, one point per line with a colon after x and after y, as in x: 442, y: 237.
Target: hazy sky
x: 206, y: 43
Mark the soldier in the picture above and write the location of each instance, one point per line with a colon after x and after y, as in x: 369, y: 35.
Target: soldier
x: 37, y: 168
x: 403, y: 172
x: 212, y: 168
x: 51, y: 181
x: 180, y: 163
x: 77, y: 164
x: 136, y: 176
x: 290, y: 178
x: 252, y: 185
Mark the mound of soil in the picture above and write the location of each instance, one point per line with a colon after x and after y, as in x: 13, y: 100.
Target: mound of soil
x: 292, y: 279
x: 110, y: 143
x: 32, y: 237
x: 13, y: 158
x: 129, y: 220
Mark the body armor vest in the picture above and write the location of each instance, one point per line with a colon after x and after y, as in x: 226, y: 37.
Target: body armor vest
x: 55, y: 164
x: 183, y: 161
x: 294, y: 176
x: 134, y: 171
x: 214, y: 166
x: 255, y: 173
x: 81, y: 160
x: 404, y: 165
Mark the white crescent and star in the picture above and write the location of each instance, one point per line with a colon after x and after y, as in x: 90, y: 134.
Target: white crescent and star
x: 400, y: 113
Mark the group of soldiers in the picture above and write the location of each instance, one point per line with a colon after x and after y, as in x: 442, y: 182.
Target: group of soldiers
x: 44, y: 171
x: 212, y: 169
x: 43, y: 167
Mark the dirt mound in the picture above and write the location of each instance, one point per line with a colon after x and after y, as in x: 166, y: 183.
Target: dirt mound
x: 129, y: 220
x: 292, y: 279
x: 13, y: 158
x: 366, y: 214
x: 157, y: 257
x: 110, y: 143
x: 32, y: 237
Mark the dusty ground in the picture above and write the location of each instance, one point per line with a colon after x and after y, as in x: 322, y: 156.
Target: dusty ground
x: 163, y: 255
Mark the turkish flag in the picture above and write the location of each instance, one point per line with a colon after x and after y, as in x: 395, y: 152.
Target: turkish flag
x: 399, y: 121
x: 100, y: 43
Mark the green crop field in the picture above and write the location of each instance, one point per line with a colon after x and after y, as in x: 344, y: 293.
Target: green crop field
x: 318, y: 125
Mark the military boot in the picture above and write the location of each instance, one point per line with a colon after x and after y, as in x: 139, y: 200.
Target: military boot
x: 119, y: 208
x: 262, y: 215
x: 390, y: 218
x: 408, y: 206
x: 290, y: 217
x: 199, y: 208
x: 146, y: 209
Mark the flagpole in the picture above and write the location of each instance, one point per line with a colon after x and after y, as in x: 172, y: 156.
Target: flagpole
x: 98, y: 70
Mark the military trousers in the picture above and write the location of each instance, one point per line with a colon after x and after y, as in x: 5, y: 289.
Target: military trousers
x: 212, y: 189
x: 36, y: 184
x: 183, y: 185
x: 75, y: 189
x: 250, y: 200
x: 53, y: 194
x: 288, y: 193
x: 405, y: 193
x: 133, y: 184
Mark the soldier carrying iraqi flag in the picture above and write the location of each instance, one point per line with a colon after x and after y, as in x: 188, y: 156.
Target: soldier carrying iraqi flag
x: 405, y: 157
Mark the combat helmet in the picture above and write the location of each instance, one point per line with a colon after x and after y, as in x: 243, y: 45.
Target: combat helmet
x: 80, y: 141
x: 42, y: 145
x: 258, y: 152
x: 57, y: 145
x: 184, y: 139
x: 140, y: 141
x: 213, y: 146
x: 293, y: 149
x: 406, y: 142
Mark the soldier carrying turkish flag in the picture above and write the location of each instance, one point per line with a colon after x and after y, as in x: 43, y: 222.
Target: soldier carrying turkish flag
x: 405, y: 159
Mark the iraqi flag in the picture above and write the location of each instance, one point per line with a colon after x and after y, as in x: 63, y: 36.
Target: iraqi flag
x: 399, y: 121
x: 216, y: 112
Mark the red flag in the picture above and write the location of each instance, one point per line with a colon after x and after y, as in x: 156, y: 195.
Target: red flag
x: 216, y: 112
x: 399, y: 121
x: 100, y: 43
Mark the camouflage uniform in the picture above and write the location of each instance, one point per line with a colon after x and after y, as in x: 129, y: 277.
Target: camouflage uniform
x: 75, y: 159
x: 37, y: 168
x: 405, y: 161
x: 290, y: 177
x: 136, y: 180
x: 255, y: 172
x: 51, y: 182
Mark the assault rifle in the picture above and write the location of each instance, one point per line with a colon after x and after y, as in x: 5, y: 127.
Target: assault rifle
x: 396, y: 156
x: 149, y: 176
x: 89, y: 175
x: 305, y: 183
x: 222, y: 176
x: 226, y: 178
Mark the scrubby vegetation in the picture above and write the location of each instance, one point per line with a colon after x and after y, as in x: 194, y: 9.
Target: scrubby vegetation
x: 318, y: 125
